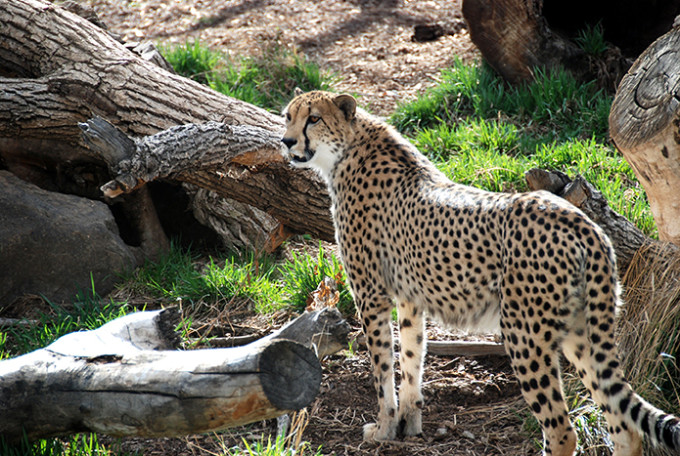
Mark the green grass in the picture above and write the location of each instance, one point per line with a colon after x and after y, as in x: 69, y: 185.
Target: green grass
x: 555, y: 105
x: 77, y: 445
x: 261, y: 448
x: 591, y: 40
x: 192, y: 60
x: 182, y: 276
x: 266, y: 80
x: 303, y: 274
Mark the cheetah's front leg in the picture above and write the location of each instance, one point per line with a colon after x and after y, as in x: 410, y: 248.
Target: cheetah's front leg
x: 377, y: 326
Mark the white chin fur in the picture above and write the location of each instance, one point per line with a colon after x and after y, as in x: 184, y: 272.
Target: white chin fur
x: 323, y: 161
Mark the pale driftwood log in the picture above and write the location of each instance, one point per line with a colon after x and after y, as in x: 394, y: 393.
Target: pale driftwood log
x: 644, y: 123
x: 465, y: 348
x: 57, y: 69
x: 114, y: 380
x: 324, y: 331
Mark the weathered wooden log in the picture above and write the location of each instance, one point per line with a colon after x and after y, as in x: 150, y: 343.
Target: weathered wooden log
x: 644, y: 123
x: 122, y: 380
x: 225, y: 159
x: 324, y: 331
x: 465, y: 348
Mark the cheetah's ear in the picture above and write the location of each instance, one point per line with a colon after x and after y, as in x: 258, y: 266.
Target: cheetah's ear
x: 347, y: 105
x: 298, y: 91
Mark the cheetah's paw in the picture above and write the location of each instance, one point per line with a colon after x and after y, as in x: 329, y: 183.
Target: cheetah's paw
x: 411, y: 423
x: 373, y: 432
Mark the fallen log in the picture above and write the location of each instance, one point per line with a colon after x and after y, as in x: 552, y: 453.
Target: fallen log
x: 465, y: 348
x: 122, y: 379
x: 225, y: 159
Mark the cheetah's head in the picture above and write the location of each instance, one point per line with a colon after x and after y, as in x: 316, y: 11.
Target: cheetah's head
x: 318, y: 129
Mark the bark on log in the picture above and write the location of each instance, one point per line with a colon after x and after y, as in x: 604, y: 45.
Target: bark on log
x: 228, y: 160
x: 57, y: 69
x: 644, y: 124
x: 114, y: 381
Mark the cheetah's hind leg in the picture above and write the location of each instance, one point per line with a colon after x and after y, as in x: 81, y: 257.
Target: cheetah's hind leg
x: 537, y: 368
x: 583, y: 354
x: 412, y: 343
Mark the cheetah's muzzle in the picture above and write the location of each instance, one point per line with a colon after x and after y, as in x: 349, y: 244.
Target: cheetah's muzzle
x: 295, y: 158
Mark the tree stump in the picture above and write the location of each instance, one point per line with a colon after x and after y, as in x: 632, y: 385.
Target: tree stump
x: 644, y: 124
x: 518, y: 36
x: 122, y: 379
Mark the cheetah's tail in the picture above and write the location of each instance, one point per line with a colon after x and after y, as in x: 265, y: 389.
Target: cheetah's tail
x: 661, y: 428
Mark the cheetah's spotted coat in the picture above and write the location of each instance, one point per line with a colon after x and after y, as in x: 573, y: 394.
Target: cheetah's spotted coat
x: 530, y: 264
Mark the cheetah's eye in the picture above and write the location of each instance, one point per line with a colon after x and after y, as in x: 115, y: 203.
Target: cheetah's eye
x: 313, y: 119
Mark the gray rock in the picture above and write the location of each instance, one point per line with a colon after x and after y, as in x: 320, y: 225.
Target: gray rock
x: 55, y: 245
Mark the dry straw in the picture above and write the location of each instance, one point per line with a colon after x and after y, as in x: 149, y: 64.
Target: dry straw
x: 649, y: 337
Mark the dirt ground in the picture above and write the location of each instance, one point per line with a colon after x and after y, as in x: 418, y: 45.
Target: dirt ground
x: 367, y: 43
x: 472, y: 405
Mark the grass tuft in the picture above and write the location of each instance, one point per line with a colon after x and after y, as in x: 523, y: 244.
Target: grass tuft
x: 266, y: 80
x: 77, y: 445
x: 554, y: 105
x: 591, y: 40
x: 182, y: 276
x: 192, y: 60
x: 303, y: 274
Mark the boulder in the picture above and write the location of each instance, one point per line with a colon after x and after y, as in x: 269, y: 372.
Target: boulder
x: 56, y: 245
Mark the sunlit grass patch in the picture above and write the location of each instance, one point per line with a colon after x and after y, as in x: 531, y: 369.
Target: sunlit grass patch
x: 266, y: 80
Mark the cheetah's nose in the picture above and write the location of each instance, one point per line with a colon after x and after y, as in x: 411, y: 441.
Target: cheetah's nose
x: 289, y: 142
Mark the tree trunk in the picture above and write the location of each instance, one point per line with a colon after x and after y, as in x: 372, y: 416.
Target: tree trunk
x: 644, y: 124
x: 514, y: 38
x: 518, y: 36
x: 122, y: 380
x: 59, y: 69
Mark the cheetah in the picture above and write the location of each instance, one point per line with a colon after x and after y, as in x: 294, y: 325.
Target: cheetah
x: 528, y: 264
